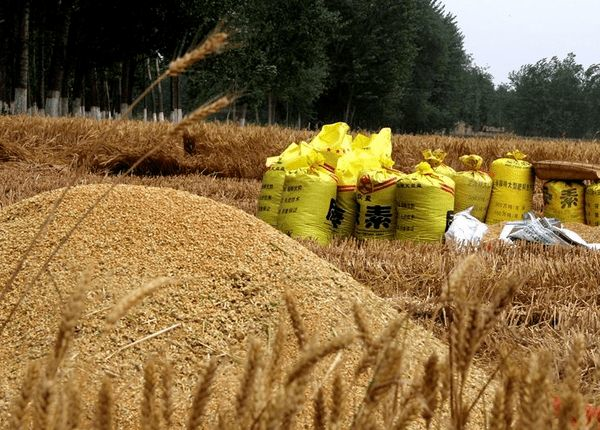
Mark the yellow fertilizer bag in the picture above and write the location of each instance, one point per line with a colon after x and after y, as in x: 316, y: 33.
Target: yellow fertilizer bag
x: 295, y: 156
x: 307, y: 204
x: 375, y: 195
x: 473, y: 187
x: 564, y: 200
x: 436, y: 160
x: 512, y: 190
x: 332, y: 141
x: 424, y: 201
x: 348, y: 168
x: 592, y: 204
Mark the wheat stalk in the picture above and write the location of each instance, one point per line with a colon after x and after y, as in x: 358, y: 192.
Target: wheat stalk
x: 338, y: 394
x: 73, y: 405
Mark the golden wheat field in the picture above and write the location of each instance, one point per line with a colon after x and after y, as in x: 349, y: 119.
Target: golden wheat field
x: 158, y: 300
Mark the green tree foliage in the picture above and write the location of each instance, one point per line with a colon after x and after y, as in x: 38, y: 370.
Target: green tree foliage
x: 556, y: 98
x: 433, y: 101
x: 479, y: 97
x: 371, y: 56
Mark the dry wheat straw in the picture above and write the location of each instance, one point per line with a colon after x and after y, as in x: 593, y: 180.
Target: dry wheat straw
x: 202, y: 394
x: 135, y: 297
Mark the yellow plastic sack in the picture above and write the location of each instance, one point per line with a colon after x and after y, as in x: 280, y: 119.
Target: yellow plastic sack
x: 368, y: 153
x: 307, y: 204
x: 512, y: 190
x: 332, y: 142
x: 436, y: 160
x: 294, y: 156
x: 424, y: 200
x: 473, y: 187
x: 375, y: 195
x: 564, y: 200
x: 592, y: 204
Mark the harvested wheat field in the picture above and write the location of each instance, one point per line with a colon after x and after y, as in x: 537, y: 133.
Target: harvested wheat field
x: 229, y: 272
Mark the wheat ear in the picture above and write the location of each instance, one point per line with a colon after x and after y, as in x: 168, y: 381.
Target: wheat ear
x: 203, y: 112
x: 297, y: 323
x: 19, y: 407
x: 214, y: 44
x: 130, y: 300
x: 104, y: 410
x: 202, y: 394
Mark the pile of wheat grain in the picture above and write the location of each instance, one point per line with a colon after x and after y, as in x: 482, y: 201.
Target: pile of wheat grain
x: 231, y: 270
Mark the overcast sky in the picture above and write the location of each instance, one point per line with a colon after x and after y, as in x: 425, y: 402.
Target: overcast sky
x: 503, y: 35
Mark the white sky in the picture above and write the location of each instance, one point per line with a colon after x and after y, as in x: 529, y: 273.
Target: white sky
x: 503, y: 35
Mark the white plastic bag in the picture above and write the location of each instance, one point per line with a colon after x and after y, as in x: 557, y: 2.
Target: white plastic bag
x: 465, y: 229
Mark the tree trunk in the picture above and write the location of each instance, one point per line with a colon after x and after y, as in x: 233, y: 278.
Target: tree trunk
x: 23, y: 75
x: 176, y: 100
x: 126, y: 78
x: 78, y: 86
x: 287, y: 113
x: 348, y: 107
x: 59, y: 53
x: 107, y: 95
x: 94, y: 100
x: 161, y: 112
x: 243, y: 118
x: 152, y: 93
x: 270, y: 108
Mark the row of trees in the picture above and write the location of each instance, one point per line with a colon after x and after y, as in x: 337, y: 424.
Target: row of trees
x: 398, y: 63
x: 557, y: 98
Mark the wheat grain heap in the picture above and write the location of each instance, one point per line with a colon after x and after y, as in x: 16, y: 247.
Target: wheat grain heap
x: 233, y: 269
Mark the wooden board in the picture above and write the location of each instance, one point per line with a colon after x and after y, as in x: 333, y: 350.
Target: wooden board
x: 566, y: 170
